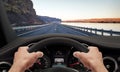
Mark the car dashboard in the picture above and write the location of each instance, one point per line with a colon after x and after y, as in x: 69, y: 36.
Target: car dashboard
x: 62, y: 55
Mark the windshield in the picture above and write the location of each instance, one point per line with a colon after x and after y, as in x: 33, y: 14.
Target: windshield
x: 77, y: 17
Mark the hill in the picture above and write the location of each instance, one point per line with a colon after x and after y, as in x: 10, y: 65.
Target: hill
x: 21, y: 12
x: 96, y: 20
x: 47, y: 19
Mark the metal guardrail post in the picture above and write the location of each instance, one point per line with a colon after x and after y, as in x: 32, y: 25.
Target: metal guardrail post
x: 91, y: 30
x: 84, y: 29
x: 95, y: 31
x: 111, y: 33
x: 87, y: 29
x: 102, y: 32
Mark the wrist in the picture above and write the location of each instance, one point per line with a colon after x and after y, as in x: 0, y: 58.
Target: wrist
x: 16, y: 68
x: 99, y: 68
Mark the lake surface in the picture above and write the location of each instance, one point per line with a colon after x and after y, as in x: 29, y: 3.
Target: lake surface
x: 105, y: 26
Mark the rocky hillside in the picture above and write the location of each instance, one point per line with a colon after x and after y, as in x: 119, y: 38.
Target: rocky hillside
x: 21, y: 12
x: 49, y: 20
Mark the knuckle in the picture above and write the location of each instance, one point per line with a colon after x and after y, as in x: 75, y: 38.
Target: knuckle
x: 100, y: 53
x: 93, y: 47
x: 20, y: 48
x: 15, y: 53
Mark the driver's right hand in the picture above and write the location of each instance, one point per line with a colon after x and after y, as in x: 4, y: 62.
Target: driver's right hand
x: 92, y: 60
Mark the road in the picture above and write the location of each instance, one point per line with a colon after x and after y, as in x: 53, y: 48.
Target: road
x: 53, y: 28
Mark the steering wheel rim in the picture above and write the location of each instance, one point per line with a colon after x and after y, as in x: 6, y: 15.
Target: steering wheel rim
x: 57, y: 40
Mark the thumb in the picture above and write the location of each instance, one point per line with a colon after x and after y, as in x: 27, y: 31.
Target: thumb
x: 39, y: 54
x: 78, y: 54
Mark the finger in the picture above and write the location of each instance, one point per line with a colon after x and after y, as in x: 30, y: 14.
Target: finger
x: 100, y: 54
x: 33, y: 57
x: 39, y: 54
x: 93, y: 49
x: 81, y: 57
x: 23, y: 49
x: 78, y: 54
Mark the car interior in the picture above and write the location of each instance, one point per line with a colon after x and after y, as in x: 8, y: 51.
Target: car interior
x: 58, y: 49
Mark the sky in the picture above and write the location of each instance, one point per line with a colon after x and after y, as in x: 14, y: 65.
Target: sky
x: 78, y: 9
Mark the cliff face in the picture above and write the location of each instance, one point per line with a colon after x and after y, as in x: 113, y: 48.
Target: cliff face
x: 49, y: 20
x: 21, y: 12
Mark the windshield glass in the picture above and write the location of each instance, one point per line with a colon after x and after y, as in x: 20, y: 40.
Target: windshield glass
x: 77, y: 17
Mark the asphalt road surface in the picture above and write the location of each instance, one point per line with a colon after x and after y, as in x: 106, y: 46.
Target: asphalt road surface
x: 54, y: 28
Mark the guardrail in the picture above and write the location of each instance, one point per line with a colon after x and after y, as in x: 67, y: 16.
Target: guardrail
x: 96, y: 31
x: 22, y: 29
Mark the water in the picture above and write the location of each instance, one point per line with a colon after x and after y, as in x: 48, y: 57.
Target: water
x: 105, y: 26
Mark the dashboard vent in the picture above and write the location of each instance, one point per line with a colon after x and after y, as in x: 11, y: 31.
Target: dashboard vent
x: 4, y: 66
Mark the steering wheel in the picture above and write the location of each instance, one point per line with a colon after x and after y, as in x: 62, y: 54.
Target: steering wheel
x: 58, y: 40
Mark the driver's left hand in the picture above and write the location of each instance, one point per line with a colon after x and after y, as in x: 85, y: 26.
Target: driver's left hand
x: 23, y: 59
